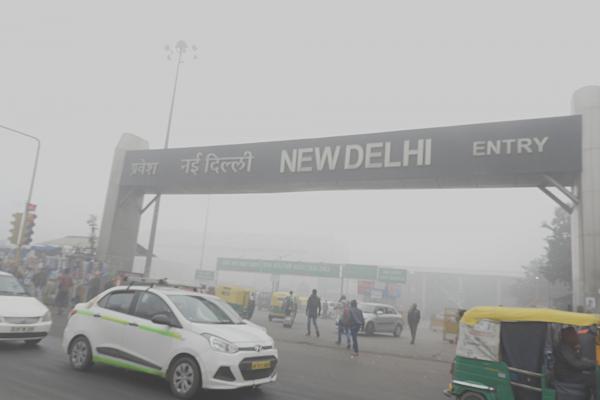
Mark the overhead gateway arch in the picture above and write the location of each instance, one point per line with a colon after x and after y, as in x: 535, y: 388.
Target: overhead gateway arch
x: 561, y: 152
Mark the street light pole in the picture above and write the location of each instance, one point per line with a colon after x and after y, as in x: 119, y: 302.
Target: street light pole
x: 31, y: 184
x: 205, y: 232
x: 180, y: 48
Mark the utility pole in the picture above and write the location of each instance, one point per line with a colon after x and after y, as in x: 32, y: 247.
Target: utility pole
x: 93, y: 224
x: 180, y: 49
x: 31, y: 184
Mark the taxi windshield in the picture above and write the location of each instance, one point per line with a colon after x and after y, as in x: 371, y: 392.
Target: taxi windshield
x: 201, y: 310
x: 10, y: 286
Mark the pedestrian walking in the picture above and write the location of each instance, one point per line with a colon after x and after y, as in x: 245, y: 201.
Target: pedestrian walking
x: 414, y: 316
x: 251, y: 305
x: 289, y: 304
x: 290, y: 308
x: 313, y: 310
x: 28, y: 280
x: 357, y: 322
x: 93, y: 286
x: 325, y: 309
x: 344, y: 323
x: 65, y: 282
x: 40, y: 279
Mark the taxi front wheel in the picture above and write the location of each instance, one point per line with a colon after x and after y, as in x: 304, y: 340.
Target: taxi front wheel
x: 80, y: 353
x: 184, y: 377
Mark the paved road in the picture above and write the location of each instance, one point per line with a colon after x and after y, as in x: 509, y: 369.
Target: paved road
x: 310, y: 368
x: 430, y: 345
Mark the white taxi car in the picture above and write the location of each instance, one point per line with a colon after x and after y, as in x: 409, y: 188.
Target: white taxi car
x: 191, y: 339
x: 22, y: 317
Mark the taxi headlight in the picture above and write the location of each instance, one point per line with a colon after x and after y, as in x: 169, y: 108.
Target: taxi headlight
x: 218, y: 344
x: 47, y: 317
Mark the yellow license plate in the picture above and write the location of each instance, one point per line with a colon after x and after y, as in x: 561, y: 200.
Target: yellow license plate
x: 260, y: 364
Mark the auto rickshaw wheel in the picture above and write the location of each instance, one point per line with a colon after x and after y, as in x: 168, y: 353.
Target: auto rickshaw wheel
x: 471, y: 396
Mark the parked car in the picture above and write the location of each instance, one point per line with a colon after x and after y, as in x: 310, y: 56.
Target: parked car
x: 22, y: 317
x: 381, y: 318
x: 192, y: 340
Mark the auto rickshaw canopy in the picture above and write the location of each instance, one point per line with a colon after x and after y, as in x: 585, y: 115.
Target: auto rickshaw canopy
x: 521, y: 314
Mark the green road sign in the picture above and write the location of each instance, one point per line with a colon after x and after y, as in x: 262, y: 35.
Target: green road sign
x: 204, y: 276
x: 363, y: 272
x: 279, y: 267
x: 392, y: 275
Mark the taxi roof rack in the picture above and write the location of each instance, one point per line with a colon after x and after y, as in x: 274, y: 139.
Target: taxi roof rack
x: 136, y: 280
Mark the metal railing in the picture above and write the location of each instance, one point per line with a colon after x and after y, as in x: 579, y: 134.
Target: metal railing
x: 527, y: 373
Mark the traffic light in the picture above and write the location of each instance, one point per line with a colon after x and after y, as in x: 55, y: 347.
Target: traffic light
x: 14, y: 231
x: 28, y: 228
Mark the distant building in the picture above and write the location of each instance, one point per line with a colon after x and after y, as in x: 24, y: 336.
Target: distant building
x: 74, y: 242
x: 436, y: 289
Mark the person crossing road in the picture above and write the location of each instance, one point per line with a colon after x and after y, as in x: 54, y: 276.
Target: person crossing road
x: 313, y: 310
x: 357, y: 322
x: 343, y: 322
x: 414, y: 316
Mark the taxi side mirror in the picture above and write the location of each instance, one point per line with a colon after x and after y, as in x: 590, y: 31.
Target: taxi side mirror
x: 162, y: 319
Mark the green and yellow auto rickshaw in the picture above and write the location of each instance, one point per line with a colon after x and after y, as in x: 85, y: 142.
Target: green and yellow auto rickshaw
x: 240, y: 299
x: 506, y: 353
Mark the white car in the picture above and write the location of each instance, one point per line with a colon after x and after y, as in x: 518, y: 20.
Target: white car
x: 191, y: 339
x: 22, y: 317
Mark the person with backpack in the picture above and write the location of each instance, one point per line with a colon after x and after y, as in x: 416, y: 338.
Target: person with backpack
x: 357, y: 322
x: 343, y: 323
x: 313, y: 310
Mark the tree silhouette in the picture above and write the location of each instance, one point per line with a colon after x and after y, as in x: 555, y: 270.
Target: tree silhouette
x: 557, y: 260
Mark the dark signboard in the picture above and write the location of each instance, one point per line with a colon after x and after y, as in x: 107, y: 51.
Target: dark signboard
x: 355, y: 271
x: 502, y: 154
x: 392, y: 275
x: 204, y: 276
x: 279, y: 267
x: 363, y: 273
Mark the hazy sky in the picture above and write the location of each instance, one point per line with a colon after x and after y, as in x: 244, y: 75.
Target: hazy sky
x: 79, y: 74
